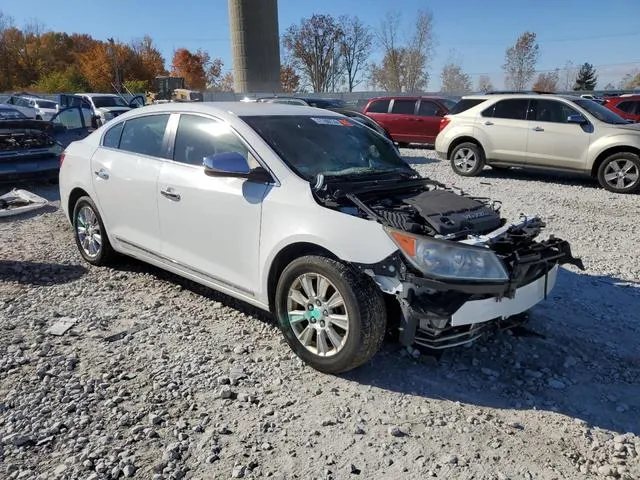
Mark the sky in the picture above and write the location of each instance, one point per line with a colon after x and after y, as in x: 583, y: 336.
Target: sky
x: 473, y: 33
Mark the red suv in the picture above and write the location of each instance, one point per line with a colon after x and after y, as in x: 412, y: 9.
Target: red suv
x: 628, y: 107
x: 409, y: 119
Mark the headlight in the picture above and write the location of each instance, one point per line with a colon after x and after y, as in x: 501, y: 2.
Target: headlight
x: 449, y: 260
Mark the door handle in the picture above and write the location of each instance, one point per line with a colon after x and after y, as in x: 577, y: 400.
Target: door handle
x: 171, y: 194
x: 538, y: 129
x: 102, y: 173
x: 488, y: 122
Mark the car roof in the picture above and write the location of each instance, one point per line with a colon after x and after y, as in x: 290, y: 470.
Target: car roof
x: 410, y: 97
x: 99, y: 95
x: 624, y: 98
x: 518, y: 96
x: 237, y: 109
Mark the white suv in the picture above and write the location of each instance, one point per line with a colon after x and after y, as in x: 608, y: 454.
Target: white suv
x: 553, y: 132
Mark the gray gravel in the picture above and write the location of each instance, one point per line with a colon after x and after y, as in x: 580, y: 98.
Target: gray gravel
x: 163, y: 379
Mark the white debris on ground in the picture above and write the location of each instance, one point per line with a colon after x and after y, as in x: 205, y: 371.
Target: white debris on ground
x: 191, y: 384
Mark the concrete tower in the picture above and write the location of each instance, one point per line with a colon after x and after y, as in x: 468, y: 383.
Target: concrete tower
x: 255, y: 44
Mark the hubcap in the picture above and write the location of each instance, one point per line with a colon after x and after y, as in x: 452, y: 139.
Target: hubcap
x: 465, y: 159
x: 317, y: 314
x: 621, y: 173
x: 88, y: 230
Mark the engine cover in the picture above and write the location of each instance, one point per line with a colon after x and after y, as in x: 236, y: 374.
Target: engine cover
x: 449, y: 213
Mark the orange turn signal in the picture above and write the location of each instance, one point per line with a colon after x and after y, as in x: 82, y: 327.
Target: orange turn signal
x: 406, y: 242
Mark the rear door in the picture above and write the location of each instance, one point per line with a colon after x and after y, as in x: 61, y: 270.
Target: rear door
x: 125, y: 171
x: 552, y: 141
x: 503, y: 130
x: 403, y: 122
x: 428, y: 119
x: 629, y: 109
x: 379, y: 111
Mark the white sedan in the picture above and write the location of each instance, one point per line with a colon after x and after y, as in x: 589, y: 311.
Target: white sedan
x: 309, y: 215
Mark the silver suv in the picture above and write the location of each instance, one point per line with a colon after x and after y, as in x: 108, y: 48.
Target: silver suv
x: 553, y: 132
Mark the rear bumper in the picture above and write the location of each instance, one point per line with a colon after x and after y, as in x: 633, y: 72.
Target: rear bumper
x: 30, y: 169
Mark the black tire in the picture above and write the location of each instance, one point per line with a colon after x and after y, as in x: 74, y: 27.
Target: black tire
x: 468, y: 169
x: 364, y: 305
x: 105, y: 253
x: 607, y: 168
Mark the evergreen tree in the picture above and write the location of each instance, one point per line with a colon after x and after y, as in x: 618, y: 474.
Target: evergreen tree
x: 586, y: 79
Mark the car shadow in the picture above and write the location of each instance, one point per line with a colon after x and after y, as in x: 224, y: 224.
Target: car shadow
x: 578, y: 356
x: 531, y: 174
x: 40, y: 274
x: 421, y: 160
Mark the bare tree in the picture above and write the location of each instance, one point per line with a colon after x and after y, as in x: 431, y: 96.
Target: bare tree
x: 569, y: 74
x: 404, y: 65
x: 454, y: 79
x: 547, y: 82
x: 315, y: 45
x: 355, y: 48
x: 520, y: 61
x: 484, y: 84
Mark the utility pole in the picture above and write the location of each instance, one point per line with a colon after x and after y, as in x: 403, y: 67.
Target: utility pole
x: 114, y: 56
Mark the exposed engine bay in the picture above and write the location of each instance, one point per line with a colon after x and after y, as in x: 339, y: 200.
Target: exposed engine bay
x: 444, y: 310
x: 21, y: 135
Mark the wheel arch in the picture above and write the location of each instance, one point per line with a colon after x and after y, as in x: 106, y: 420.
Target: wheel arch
x: 611, y: 151
x: 284, y: 257
x: 75, y: 194
x: 464, y: 139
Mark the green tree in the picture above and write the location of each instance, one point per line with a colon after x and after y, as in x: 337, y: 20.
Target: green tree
x: 520, y: 61
x: 586, y: 79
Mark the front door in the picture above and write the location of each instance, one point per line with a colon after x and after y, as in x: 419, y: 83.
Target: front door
x: 69, y: 125
x: 503, y: 131
x: 125, y: 173
x: 403, y: 123
x: 552, y: 141
x: 210, y: 226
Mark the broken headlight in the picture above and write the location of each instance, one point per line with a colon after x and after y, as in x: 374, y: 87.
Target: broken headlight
x: 449, y: 260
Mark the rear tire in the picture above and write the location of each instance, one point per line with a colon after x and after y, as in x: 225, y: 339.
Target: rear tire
x: 331, y: 316
x: 467, y: 159
x: 90, y: 235
x: 620, y: 173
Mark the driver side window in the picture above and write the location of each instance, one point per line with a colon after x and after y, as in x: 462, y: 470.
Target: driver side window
x: 199, y: 137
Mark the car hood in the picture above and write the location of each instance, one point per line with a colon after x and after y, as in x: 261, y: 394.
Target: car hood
x: 25, y: 123
x: 114, y: 109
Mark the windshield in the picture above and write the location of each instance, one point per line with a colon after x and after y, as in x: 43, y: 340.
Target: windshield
x: 46, y: 104
x: 10, y: 114
x: 328, y: 145
x: 108, y: 101
x: 601, y: 113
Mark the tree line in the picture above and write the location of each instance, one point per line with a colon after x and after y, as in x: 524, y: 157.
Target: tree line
x: 321, y: 53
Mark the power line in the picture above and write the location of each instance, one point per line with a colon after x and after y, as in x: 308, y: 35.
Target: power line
x: 542, y: 40
x: 607, y: 65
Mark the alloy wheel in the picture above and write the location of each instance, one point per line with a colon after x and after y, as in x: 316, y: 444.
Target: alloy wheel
x: 465, y: 160
x: 88, y: 231
x: 317, y: 314
x: 621, y: 173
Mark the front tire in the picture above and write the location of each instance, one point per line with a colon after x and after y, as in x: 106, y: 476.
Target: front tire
x: 331, y: 316
x: 467, y: 159
x: 89, y: 232
x: 620, y: 173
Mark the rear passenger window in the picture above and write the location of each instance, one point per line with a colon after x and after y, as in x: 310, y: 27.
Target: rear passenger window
x: 427, y: 109
x: 515, y: 109
x: 404, y: 107
x: 144, y: 135
x: 627, y: 107
x: 111, y: 139
x: 379, y: 106
x: 198, y: 137
x: 464, y: 105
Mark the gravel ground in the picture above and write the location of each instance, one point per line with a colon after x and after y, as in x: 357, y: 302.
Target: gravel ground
x: 161, y: 378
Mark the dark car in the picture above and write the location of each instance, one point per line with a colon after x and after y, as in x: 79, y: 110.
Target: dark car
x: 31, y: 148
x: 409, y: 119
x: 362, y: 118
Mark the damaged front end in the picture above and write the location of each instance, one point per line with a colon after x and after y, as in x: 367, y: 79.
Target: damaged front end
x: 460, y: 269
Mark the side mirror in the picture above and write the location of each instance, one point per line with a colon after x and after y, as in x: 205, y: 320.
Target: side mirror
x: 228, y: 164
x: 579, y: 119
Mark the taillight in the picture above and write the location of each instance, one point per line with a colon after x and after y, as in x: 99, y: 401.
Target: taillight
x: 443, y: 123
x: 62, y: 158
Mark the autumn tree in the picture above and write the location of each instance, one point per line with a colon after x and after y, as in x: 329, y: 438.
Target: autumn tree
x: 97, y: 67
x: 484, y: 84
x: 355, y: 47
x: 404, y: 64
x: 586, y: 79
x: 191, y: 67
x: 547, y: 81
x: 150, y: 59
x: 520, y: 61
x: 630, y: 81
x: 315, y: 45
x: 454, y: 79
x: 289, y: 79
